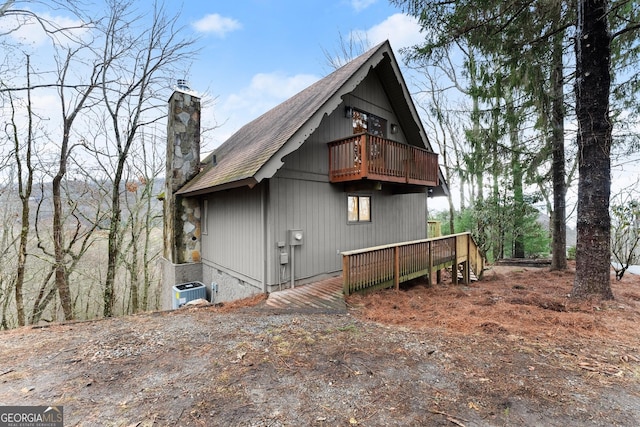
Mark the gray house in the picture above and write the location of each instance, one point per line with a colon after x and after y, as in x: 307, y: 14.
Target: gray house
x: 342, y: 165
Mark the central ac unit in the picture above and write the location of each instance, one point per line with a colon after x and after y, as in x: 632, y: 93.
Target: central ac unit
x: 185, y: 292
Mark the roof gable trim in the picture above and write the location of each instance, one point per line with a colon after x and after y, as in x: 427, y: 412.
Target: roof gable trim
x: 271, y: 166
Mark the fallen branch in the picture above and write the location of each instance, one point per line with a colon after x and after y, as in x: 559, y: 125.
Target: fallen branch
x: 449, y: 417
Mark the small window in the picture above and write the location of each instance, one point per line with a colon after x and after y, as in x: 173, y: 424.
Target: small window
x: 359, y: 208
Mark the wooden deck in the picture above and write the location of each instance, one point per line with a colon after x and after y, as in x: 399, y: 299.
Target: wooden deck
x: 324, y: 296
x: 380, y: 267
x: 370, y: 269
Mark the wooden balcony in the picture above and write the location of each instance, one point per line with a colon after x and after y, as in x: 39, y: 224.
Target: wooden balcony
x: 366, y: 156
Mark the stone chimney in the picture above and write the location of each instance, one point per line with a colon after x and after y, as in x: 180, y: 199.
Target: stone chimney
x: 182, y: 214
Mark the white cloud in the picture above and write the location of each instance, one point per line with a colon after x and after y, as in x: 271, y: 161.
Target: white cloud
x: 216, y: 24
x: 400, y: 29
x: 278, y: 85
x: 360, y: 5
x: 265, y: 91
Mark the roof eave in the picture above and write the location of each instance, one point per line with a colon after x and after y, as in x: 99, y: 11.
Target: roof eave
x: 247, y: 182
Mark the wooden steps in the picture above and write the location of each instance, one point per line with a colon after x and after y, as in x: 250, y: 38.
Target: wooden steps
x: 472, y: 275
x: 325, y: 296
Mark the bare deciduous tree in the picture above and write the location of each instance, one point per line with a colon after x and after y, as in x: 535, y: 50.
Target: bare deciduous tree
x: 625, y: 230
x: 114, y: 68
x: 24, y: 175
x: 348, y: 48
x: 138, y: 67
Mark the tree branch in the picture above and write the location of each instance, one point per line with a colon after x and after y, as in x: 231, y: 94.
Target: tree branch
x: 626, y: 30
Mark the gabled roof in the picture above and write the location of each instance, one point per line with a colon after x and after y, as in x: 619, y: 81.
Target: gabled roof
x: 255, y: 152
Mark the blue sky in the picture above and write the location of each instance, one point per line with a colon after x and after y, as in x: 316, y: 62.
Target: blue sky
x: 257, y: 53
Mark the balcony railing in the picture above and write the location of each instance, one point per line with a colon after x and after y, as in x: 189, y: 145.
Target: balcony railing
x: 366, y: 156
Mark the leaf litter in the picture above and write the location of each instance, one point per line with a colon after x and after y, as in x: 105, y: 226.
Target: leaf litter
x: 512, y: 349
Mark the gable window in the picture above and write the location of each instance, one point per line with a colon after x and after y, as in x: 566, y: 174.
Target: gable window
x: 367, y: 122
x: 359, y: 208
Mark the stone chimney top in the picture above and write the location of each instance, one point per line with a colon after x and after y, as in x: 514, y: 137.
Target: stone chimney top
x: 183, y: 86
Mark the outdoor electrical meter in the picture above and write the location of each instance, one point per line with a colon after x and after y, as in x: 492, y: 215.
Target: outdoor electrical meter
x: 296, y: 237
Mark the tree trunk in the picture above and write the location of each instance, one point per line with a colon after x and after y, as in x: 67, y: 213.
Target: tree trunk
x: 134, y: 300
x: 113, y: 245
x: 518, y: 205
x: 42, y: 300
x: 559, y: 224
x: 519, y: 208
x: 58, y: 243
x: 495, y: 205
x: 60, y: 274
x: 22, y: 251
x: 25, y: 187
x: 592, y: 90
x: 147, y: 245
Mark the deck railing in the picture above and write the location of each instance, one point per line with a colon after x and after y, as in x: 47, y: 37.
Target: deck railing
x: 372, y: 157
x: 389, y: 265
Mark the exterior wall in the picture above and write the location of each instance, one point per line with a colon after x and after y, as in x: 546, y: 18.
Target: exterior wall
x: 311, y: 160
x: 225, y: 286
x: 371, y: 97
x: 319, y: 209
x: 233, y: 242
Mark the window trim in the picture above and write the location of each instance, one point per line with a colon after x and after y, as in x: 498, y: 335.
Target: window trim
x: 358, y: 198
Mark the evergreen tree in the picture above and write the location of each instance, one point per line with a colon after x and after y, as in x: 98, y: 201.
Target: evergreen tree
x: 529, y: 34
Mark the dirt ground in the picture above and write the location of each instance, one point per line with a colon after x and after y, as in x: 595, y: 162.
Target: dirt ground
x: 510, y: 350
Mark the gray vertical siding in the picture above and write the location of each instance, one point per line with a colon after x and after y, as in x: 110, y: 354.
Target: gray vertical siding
x: 234, y: 232
x: 320, y: 210
x: 371, y: 97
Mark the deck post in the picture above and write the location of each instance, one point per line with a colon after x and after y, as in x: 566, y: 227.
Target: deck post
x: 454, y: 267
x: 346, y: 285
x: 430, y: 266
x: 467, y: 270
x: 396, y: 267
x: 364, y: 156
